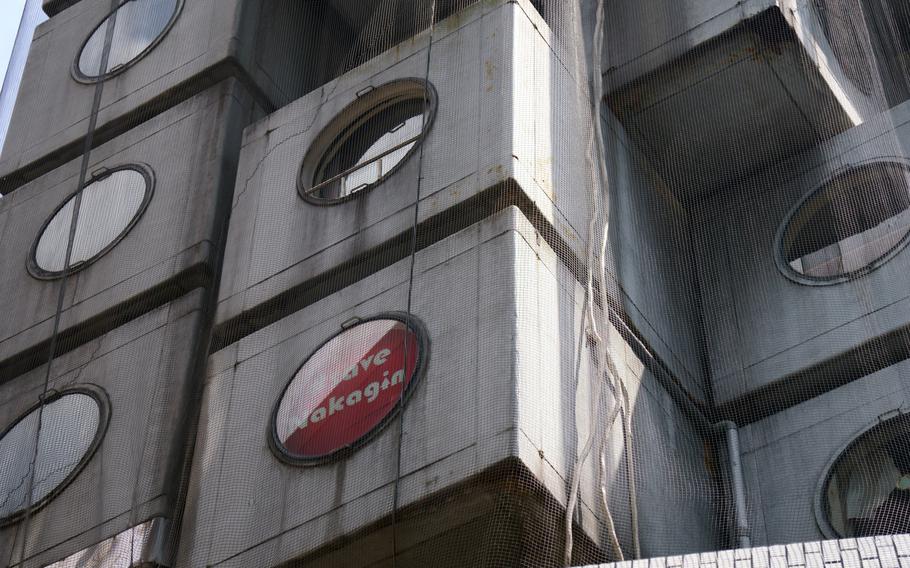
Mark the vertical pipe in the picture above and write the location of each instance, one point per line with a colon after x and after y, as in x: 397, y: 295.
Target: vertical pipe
x: 741, y: 531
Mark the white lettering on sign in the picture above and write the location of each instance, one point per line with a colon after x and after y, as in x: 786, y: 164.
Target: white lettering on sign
x: 339, y: 404
x: 364, y: 364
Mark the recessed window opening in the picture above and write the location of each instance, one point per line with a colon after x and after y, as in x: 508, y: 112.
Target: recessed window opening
x: 867, y: 491
x: 110, y: 205
x: 348, y: 389
x: 72, y: 424
x: 368, y: 141
x: 134, y: 29
x: 849, y: 225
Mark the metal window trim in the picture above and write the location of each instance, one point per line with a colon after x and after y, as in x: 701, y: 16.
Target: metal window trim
x: 148, y: 175
x: 339, y: 129
x: 81, y: 77
x: 820, y: 499
x: 103, y: 402
x: 413, y: 324
x: 778, y: 252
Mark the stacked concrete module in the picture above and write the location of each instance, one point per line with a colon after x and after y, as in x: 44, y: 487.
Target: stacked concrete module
x: 54, y: 109
x: 768, y: 355
x: 189, y: 154
x: 485, y: 481
x: 716, y: 91
x: 146, y: 370
x: 508, y: 113
x: 789, y: 456
x: 505, y: 203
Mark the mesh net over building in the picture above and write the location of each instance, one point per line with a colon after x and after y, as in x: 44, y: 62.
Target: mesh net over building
x: 458, y: 283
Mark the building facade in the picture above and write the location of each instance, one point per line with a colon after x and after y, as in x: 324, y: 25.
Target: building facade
x: 457, y: 283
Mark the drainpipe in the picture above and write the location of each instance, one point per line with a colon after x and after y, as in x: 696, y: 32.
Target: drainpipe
x: 741, y: 531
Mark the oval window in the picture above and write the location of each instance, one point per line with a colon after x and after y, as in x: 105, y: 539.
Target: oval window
x: 348, y: 389
x: 368, y: 141
x: 849, y: 226
x: 133, y: 29
x: 110, y: 205
x: 867, y: 490
x: 71, y: 426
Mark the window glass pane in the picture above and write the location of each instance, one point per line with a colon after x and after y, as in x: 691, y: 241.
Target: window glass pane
x: 108, y: 207
x: 347, y: 388
x: 868, y: 492
x: 379, y: 144
x: 849, y: 223
x: 69, y: 426
x: 137, y: 24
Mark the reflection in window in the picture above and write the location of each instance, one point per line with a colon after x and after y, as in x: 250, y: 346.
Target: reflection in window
x: 69, y: 425
x: 108, y: 207
x: 347, y: 389
x: 868, y: 492
x: 849, y: 223
x: 368, y: 141
x: 136, y: 26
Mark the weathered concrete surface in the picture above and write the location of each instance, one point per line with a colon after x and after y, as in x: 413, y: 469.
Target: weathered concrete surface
x: 192, y: 150
x: 503, y: 315
x: 52, y: 114
x: 652, y: 261
x: 508, y: 110
x: 719, y: 90
x: 149, y: 370
x: 762, y: 326
x: 786, y: 455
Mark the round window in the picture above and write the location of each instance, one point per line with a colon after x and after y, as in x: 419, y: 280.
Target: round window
x: 131, y: 31
x: 349, y: 389
x: 60, y: 435
x: 368, y: 141
x: 849, y: 226
x: 110, y: 205
x: 867, y: 489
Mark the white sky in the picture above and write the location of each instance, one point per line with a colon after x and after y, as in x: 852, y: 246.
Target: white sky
x: 10, y: 14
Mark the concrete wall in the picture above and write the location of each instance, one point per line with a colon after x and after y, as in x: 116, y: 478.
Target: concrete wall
x: 508, y: 110
x: 192, y: 151
x: 786, y: 455
x: 503, y: 315
x: 643, y: 37
x: 148, y: 368
x: 52, y: 115
x: 761, y: 325
x: 652, y: 260
x: 746, y: 87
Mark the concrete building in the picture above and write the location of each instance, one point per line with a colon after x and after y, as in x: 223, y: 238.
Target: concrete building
x: 457, y: 283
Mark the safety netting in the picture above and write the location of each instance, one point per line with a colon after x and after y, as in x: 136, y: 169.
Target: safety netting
x: 453, y: 282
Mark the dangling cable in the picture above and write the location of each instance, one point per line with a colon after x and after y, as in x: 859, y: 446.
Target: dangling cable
x: 413, y: 256
x: 61, y: 294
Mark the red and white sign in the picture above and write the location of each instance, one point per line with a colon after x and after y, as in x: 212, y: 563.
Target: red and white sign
x: 346, y: 388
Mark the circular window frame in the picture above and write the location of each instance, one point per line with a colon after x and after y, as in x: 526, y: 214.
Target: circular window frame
x: 339, y: 129
x: 81, y: 77
x: 413, y: 324
x: 820, y: 501
x: 778, y: 248
x: 32, y: 263
x: 100, y: 396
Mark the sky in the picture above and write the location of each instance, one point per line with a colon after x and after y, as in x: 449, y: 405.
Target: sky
x: 10, y: 14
